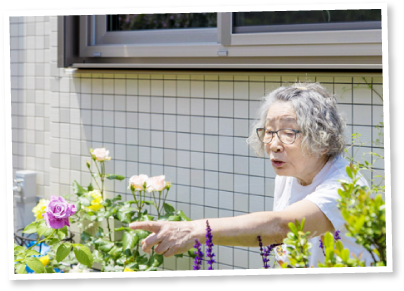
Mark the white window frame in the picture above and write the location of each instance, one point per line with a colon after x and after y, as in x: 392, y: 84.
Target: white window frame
x: 220, y: 48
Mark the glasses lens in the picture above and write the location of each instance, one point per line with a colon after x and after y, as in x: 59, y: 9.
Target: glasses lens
x: 264, y: 135
x: 287, y: 136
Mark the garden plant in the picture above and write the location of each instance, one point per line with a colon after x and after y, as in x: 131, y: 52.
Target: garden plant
x: 96, y: 217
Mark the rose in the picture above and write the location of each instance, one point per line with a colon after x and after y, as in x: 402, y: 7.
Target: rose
x: 58, y: 212
x: 45, y: 260
x: 40, y: 208
x: 100, y: 154
x: 96, y: 202
x: 156, y: 183
x: 137, y: 182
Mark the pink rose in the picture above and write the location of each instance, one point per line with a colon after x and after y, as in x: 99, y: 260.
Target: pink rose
x: 137, y: 181
x: 101, y: 154
x: 156, y: 183
x: 57, y: 212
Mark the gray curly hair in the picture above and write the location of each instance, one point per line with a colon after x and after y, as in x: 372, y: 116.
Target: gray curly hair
x: 317, y: 117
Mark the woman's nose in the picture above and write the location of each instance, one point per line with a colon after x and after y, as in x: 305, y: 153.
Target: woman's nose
x: 275, y: 145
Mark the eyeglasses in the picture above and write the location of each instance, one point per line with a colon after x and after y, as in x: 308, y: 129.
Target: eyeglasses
x: 286, y: 136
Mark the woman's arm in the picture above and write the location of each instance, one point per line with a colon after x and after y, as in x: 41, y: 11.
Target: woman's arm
x: 177, y: 237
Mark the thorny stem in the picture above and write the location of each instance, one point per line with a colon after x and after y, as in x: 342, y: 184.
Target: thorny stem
x: 102, y: 177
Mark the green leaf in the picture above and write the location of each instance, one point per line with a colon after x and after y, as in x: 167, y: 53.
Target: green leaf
x: 20, y: 268
x: 117, y: 198
x: 360, y: 222
x: 90, y: 188
x: 62, y: 232
x: 191, y: 252
x: 156, y: 260
x: 344, y: 255
x: 302, y: 223
x: 146, y: 217
x: 41, y: 228
x: 31, y: 228
x: 129, y: 240
x: 183, y: 216
x: 349, y: 172
x: 85, y: 236
x: 115, y: 177
x: 125, y: 214
x: 77, y: 189
x: 32, y: 253
x: 19, y: 249
x: 86, y: 200
x: 100, y: 232
x: 104, y: 245
x: 35, y: 265
x: 174, y: 218
x: 142, y: 234
x: 179, y: 255
x: 53, y: 241
x: 292, y: 227
x: 148, y: 202
x: 339, y: 246
x: 115, y: 252
x: 122, y: 228
x: 49, y: 269
x: 83, y: 255
x: 329, y: 253
x: 168, y: 208
x: 328, y: 240
x: 63, y: 251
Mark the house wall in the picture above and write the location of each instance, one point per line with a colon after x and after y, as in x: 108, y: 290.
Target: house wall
x: 188, y: 125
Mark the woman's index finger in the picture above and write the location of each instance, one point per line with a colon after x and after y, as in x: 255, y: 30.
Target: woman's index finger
x: 153, y: 226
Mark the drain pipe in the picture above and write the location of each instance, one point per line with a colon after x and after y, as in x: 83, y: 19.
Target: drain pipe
x: 24, y: 193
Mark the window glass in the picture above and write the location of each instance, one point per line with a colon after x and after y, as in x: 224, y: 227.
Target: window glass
x: 293, y: 18
x: 125, y: 22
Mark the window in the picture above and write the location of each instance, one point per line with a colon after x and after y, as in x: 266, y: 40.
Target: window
x: 271, y: 39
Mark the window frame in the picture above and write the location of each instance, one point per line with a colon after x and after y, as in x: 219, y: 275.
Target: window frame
x: 340, y: 49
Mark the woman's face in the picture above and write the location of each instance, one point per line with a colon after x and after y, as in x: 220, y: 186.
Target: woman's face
x: 288, y: 159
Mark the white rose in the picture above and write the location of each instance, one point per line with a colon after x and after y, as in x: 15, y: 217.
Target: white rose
x: 156, y: 183
x: 101, y: 154
x: 137, y: 181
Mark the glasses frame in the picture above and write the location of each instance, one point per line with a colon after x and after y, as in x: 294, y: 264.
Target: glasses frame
x: 272, y: 132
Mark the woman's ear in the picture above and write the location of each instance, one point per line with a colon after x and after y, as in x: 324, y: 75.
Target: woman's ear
x: 323, y: 152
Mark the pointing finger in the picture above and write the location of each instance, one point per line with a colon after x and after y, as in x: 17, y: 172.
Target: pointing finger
x: 152, y: 226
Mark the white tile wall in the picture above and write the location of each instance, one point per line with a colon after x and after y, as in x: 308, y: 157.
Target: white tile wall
x: 190, y: 126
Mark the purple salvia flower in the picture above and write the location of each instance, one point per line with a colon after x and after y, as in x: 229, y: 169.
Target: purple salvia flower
x: 209, y: 244
x: 321, y: 246
x: 199, y: 255
x: 266, y: 252
x: 336, y: 235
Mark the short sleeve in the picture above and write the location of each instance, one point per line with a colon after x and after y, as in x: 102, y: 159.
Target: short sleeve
x: 326, y: 198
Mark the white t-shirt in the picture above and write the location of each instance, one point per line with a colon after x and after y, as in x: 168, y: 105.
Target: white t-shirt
x: 323, y: 192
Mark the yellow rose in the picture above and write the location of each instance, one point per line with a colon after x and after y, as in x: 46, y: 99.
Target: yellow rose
x: 96, y: 202
x: 128, y: 270
x: 40, y: 208
x: 45, y: 260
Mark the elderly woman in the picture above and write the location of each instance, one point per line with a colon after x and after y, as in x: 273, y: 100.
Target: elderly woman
x: 301, y: 131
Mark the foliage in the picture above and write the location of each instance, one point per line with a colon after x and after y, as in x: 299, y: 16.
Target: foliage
x: 298, y: 246
x: 95, y: 211
x: 364, y: 214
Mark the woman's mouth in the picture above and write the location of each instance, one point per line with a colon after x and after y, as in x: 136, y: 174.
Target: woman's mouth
x: 277, y: 163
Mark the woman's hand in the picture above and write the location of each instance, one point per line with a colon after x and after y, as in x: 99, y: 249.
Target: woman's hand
x: 170, y: 237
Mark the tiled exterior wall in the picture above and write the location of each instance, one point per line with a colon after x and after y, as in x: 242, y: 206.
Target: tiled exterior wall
x: 191, y: 126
